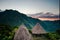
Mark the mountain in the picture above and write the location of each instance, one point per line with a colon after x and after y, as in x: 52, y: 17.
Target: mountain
x: 15, y: 18
x: 52, y: 25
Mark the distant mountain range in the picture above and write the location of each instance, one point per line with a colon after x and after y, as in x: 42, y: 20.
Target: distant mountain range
x: 45, y: 15
x: 52, y: 25
x: 15, y: 18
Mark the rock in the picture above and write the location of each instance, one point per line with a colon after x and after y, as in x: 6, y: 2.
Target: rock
x: 22, y: 34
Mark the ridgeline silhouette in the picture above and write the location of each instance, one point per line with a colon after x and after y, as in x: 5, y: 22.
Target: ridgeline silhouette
x: 15, y: 18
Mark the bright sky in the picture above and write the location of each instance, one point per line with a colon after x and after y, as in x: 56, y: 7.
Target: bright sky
x: 31, y: 6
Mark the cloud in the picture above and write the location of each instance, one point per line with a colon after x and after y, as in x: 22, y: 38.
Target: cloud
x: 45, y: 15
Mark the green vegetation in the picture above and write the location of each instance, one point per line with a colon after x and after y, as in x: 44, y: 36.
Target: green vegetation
x: 49, y: 36
x: 7, y: 32
x: 53, y: 36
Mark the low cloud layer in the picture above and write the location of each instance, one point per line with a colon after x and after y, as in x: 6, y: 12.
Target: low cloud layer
x: 45, y: 15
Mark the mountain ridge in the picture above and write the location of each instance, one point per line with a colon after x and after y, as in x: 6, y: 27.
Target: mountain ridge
x: 15, y: 18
